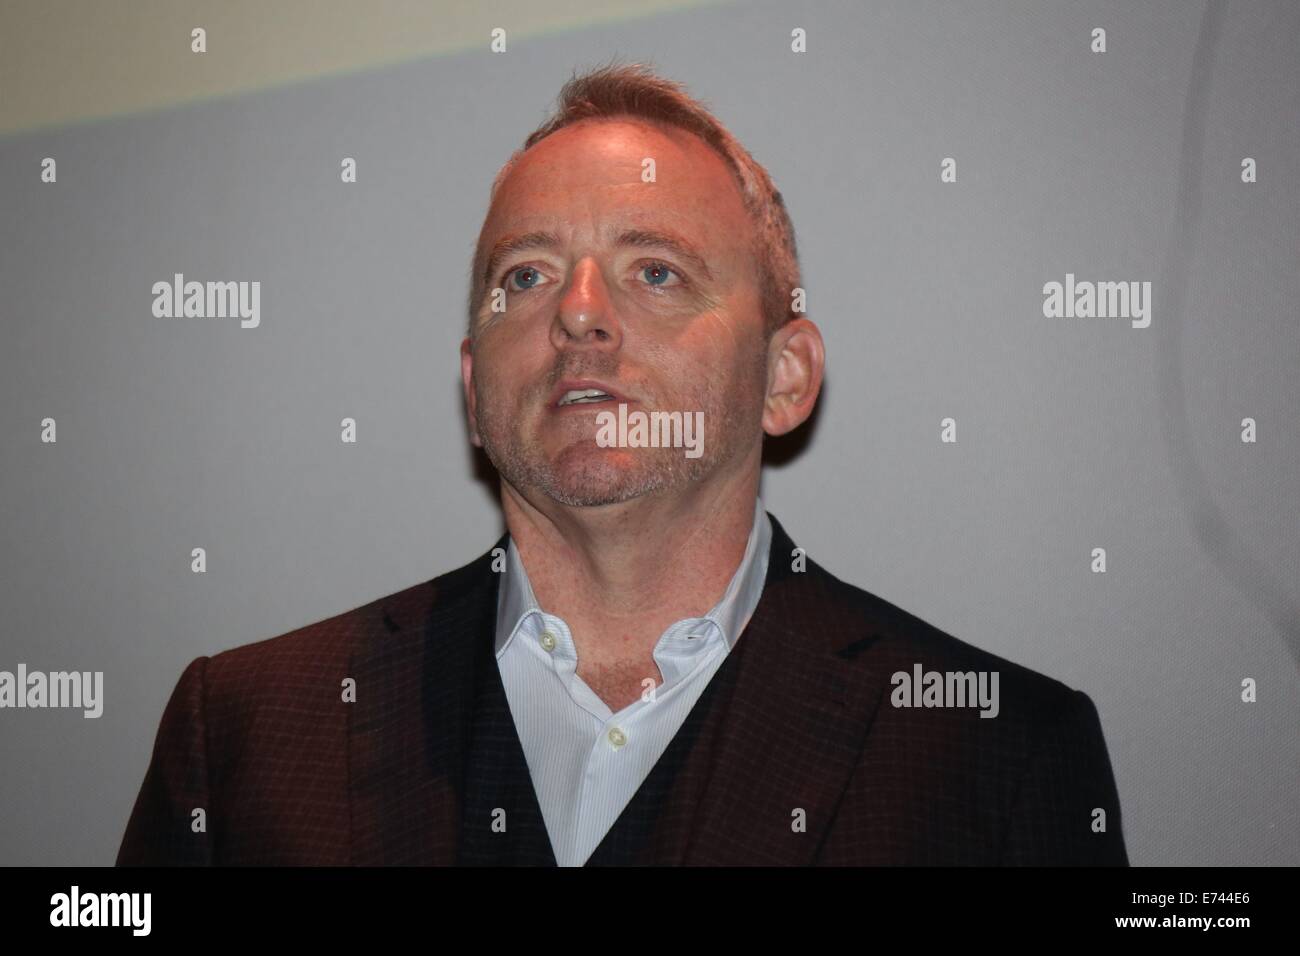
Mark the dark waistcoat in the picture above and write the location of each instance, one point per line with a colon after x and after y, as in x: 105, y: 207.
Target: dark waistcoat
x: 496, y: 776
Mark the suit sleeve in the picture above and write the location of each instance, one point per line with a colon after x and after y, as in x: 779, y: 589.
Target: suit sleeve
x: 1054, y: 817
x: 161, y: 830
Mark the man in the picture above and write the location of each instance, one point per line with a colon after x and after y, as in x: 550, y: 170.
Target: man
x: 645, y: 669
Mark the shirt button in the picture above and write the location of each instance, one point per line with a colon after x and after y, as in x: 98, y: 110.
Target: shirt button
x: 548, y: 640
x: 617, y: 737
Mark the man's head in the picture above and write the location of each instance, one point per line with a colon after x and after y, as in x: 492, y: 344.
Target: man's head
x: 634, y: 243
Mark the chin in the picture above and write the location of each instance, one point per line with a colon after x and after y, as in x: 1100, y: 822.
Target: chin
x: 587, y: 480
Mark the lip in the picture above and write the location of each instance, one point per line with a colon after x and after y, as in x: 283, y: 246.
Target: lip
x: 577, y: 384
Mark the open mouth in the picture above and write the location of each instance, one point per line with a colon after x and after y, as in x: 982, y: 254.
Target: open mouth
x: 583, y: 396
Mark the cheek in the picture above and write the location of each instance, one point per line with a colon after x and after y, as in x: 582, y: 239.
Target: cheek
x: 729, y: 360
x: 708, y: 381
x: 510, y: 378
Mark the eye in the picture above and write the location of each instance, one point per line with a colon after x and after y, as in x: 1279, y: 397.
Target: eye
x: 657, y: 275
x: 529, y: 278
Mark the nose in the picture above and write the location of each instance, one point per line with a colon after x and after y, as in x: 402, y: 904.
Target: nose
x: 584, y: 316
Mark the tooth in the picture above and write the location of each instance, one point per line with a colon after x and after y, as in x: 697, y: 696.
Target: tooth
x: 585, y: 395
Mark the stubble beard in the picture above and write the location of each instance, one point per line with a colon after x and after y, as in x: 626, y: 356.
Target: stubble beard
x: 584, y: 475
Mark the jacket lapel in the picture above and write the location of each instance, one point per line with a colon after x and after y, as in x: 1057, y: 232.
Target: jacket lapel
x: 791, y: 732
x: 408, y: 729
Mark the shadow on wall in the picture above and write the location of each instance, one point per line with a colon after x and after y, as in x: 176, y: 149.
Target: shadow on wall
x: 1218, y: 540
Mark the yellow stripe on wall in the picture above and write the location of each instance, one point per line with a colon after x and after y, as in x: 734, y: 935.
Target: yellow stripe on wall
x: 67, y: 60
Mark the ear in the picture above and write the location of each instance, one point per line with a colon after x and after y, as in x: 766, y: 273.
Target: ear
x: 467, y: 382
x: 796, y: 360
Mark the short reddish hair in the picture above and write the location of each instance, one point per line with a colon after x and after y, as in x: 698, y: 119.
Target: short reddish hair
x: 635, y: 91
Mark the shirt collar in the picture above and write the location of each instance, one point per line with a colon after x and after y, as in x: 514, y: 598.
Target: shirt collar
x: 515, y: 599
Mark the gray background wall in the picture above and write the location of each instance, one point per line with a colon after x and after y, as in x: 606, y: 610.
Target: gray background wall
x: 1072, y: 433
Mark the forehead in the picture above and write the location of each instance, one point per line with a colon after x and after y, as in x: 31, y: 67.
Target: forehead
x: 590, y: 175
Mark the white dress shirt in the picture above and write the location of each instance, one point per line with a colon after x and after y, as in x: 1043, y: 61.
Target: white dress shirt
x: 586, y: 762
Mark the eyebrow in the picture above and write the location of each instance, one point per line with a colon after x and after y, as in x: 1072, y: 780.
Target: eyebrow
x: 630, y: 238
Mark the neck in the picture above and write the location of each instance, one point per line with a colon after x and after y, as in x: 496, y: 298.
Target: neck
x: 619, y: 575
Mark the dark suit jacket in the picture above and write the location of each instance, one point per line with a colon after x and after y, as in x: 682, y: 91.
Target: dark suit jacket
x: 286, y: 772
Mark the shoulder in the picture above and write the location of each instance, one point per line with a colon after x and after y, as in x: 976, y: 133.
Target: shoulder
x: 1029, y: 783
x: 870, y: 634
x: 309, y: 662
